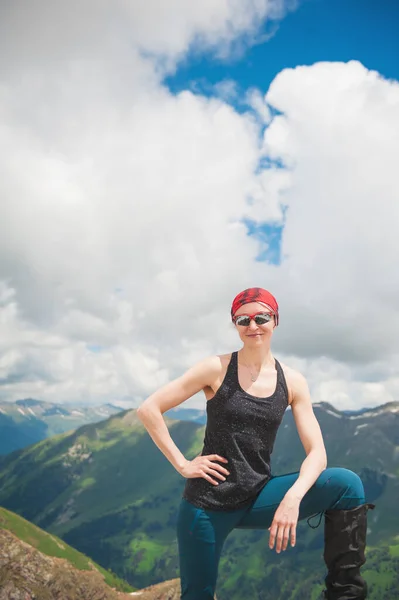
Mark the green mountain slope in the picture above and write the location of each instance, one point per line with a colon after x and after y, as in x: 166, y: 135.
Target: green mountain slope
x: 49, y: 545
x: 107, y: 490
x: 28, y: 421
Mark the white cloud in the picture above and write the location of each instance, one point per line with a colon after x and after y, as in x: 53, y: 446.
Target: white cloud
x: 120, y: 219
x: 341, y: 241
x: 118, y: 199
x: 44, y: 32
x: 338, y: 283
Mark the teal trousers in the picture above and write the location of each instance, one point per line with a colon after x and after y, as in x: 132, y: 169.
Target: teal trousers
x: 201, y: 533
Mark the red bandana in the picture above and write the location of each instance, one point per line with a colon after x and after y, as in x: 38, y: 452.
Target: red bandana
x: 255, y: 295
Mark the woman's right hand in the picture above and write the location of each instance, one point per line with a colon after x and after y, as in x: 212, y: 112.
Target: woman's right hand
x: 203, y: 466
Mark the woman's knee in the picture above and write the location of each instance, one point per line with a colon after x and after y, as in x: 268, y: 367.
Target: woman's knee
x: 350, y: 486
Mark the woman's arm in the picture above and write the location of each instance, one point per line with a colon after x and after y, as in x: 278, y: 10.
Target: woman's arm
x: 310, y: 435
x: 285, y: 518
x: 172, y: 394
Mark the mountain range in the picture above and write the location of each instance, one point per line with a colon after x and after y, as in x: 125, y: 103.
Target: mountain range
x: 108, y: 491
x: 28, y: 421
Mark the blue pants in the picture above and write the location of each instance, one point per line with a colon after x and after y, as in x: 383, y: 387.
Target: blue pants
x: 201, y: 533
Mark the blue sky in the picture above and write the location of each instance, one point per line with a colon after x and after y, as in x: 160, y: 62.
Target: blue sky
x: 318, y: 30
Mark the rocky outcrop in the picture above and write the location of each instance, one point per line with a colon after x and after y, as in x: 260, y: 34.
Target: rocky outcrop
x: 168, y: 590
x: 27, y: 574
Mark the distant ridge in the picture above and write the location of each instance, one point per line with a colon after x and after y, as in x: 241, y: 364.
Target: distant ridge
x: 387, y: 407
x: 199, y: 415
x: 28, y: 402
x: 28, y: 420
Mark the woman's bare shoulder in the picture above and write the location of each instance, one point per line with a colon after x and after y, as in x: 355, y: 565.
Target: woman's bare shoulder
x: 293, y: 378
x: 217, y: 362
x: 291, y: 372
x: 216, y: 368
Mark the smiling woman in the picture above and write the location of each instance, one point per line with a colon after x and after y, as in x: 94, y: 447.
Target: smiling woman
x: 118, y: 192
x: 230, y: 484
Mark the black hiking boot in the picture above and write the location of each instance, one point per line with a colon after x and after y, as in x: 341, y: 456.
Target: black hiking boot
x: 344, y: 547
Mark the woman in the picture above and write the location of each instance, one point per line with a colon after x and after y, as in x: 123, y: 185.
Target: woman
x: 230, y: 484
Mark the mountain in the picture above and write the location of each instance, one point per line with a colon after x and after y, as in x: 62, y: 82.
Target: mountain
x: 188, y: 414
x: 107, y: 490
x: 199, y: 415
x: 28, y: 421
x: 35, y: 564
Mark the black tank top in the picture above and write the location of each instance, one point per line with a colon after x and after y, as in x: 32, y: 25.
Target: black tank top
x: 242, y: 428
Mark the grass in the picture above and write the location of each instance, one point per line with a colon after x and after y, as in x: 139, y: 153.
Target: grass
x: 149, y: 551
x: 53, y: 546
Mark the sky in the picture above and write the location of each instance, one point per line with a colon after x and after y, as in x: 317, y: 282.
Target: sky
x: 156, y: 158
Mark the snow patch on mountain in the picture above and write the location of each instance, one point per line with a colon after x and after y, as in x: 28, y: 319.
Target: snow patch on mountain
x: 360, y: 427
x: 334, y: 414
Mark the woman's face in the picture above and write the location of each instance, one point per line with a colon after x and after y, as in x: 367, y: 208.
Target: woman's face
x: 254, y: 334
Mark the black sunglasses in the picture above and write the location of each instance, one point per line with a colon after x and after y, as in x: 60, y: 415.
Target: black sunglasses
x: 259, y: 318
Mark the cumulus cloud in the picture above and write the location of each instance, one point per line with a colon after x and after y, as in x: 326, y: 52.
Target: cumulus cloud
x: 118, y: 199
x: 337, y: 134
x: 122, y: 239
x: 46, y: 31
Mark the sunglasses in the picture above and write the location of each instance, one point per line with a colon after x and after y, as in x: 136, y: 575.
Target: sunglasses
x: 259, y: 318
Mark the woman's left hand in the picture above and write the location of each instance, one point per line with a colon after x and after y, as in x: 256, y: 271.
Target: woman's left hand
x: 284, y: 523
